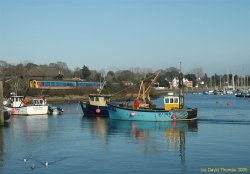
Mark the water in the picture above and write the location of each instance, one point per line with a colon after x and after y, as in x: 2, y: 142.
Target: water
x: 75, y: 144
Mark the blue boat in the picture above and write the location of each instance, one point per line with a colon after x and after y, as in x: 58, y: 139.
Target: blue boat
x: 96, y: 106
x: 173, y: 107
x: 122, y: 112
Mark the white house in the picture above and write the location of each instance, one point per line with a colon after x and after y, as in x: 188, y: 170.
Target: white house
x: 186, y: 82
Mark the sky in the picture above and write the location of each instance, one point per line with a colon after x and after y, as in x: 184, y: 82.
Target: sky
x: 119, y: 34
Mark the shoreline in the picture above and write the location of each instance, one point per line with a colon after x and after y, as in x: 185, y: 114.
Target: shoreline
x: 78, y: 98
x: 66, y: 99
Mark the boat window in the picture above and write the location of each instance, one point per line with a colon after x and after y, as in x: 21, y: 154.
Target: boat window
x: 91, y: 98
x: 97, y: 99
x: 167, y: 100
x: 176, y: 100
x: 171, y: 100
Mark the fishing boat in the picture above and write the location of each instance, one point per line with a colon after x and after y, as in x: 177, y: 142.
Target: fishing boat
x: 19, y: 105
x: 171, y: 111
x: 96, y: 105
x: 173, y: 107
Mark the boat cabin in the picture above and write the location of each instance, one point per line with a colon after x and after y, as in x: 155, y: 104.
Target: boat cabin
x: 39, y: 102
x: 16, y: 101
x: 173, y: 102
x: 99, y: 100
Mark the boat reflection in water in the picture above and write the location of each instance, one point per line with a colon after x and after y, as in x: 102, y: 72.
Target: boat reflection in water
x: 35, y: 124
x: 152, y: 137
x: 151, y: 133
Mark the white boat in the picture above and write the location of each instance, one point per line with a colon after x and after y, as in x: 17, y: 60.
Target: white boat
x: 18, y: 105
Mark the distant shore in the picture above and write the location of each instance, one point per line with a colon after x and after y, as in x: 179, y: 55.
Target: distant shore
x: 77, y: 98
x: 67, y: 99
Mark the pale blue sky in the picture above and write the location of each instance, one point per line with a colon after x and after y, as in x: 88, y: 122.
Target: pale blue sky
x: 104, y: 34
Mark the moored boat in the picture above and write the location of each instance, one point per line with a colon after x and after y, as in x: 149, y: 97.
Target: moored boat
x: 96, y: 105
x: 173, y: 106
x: 244, y: 94
x: 170, y: 112
x: 18, y: 105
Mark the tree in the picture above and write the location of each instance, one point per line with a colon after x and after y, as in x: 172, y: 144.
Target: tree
x: 30, y: 65
x: 172, y: 73
x: 77, y: 72
x: 124, y: 75
x: 198, y: 72
x: 191, y: 77
x: 95, y: 76
x: 206, y: 80
x: 110, y: 76
x: 85, y: 72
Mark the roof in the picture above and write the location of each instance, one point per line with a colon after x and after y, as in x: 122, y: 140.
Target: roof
x: 99, y: 95
x: 42, y: 72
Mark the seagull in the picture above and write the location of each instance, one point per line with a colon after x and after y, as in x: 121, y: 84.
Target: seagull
x: 33, y: 166
x: 46, y: 163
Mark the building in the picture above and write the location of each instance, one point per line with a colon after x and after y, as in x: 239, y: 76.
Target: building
x: 186, y: 82
x: 127, y: 83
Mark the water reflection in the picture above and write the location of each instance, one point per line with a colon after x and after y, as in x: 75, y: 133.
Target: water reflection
x: 98, y: 127
x: 1, y: 147
x: 152, y: 137
x: 150, y: 134
x: 32, y: 126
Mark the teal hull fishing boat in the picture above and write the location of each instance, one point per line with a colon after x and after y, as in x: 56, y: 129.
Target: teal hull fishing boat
x: 120, y: 112
x: 144, y: 110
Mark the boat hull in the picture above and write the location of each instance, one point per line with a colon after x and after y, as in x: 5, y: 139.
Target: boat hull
x: 92, y: 110
x: 28, y: 110
x: 117, y: 112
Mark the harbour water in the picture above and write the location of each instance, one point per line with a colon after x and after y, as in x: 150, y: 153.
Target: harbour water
x: 218, y: 142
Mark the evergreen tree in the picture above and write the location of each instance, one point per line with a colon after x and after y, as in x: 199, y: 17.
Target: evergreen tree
x: 85, y: 72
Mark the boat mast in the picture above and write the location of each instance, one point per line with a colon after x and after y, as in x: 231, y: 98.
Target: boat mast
x: 144, y: 93
x: 181, y: 97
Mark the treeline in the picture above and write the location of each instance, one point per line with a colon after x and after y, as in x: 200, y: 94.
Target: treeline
x: 15, y: 77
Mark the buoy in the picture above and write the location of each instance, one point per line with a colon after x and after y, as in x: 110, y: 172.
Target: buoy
x: 12, y: 111
x: 173, y: 123
x: 98, y: 111
x: 173, y: 116
x: 137, y: 134
x: 229, y: 103
x: 132, y: 114
x: 133, y: 126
